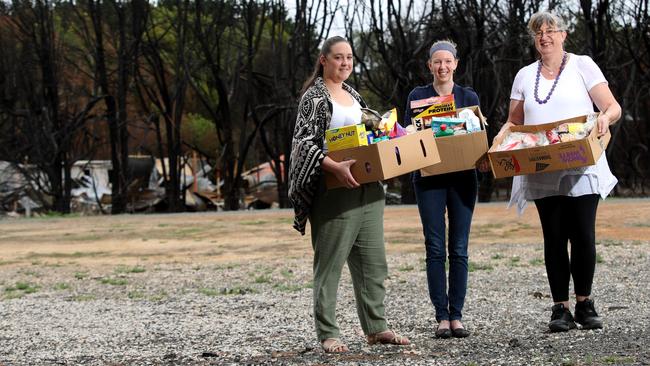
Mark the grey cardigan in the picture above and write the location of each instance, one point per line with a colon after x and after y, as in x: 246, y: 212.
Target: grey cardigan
x: 314, y: 115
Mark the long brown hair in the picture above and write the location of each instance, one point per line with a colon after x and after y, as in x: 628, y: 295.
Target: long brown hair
x: 318, y: 67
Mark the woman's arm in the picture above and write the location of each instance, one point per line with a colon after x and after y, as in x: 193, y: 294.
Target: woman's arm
x: 306, y: 150
x: 608, y: 106
x: 515, y: 117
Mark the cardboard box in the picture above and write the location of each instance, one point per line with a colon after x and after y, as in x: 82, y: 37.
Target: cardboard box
x: 459, y: 152
x: 559, y: 156
x: 387, y: 159
x: 346, y: 137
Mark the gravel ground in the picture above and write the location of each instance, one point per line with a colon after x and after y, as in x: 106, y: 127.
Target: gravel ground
x: 260, y: 313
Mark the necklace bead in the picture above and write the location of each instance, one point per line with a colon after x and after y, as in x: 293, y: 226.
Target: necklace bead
x: 539, y: 69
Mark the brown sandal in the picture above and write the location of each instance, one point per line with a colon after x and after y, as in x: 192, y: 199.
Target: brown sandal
x: 335, y: 346
x: 388, y: 337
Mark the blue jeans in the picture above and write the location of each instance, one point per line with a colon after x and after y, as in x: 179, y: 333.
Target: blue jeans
x: 456, y: 192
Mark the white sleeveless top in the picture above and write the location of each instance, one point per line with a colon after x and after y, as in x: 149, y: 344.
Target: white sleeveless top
x: 570, y: 99
x: 344, y: 116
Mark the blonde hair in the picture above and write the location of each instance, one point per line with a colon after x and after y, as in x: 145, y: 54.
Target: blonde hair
x: 544, y: 17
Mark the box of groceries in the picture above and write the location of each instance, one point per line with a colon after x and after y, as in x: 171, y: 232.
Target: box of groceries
x: 387, y: 158
x: 461, y: 140
x: 531, y: 149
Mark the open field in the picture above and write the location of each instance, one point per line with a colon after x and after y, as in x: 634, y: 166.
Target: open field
x: 248, y: 235
x: 222, y: 288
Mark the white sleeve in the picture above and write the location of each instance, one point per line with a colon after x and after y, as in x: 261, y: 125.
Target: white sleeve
x: 517, y: 92
x: 590, y: 72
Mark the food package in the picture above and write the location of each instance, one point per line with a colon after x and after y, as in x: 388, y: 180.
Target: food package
x: 566, y: 137
x: 472, y: 123
x: 552, y: 136
x: 423, y: 109
x: 397, y: 131
x: 346, y: 137
x: 443, y: 130
x: 451, y: 123
x: 410, y: 129
x: 370, y: 118
x: 522, y: 140
x: 388, y: 120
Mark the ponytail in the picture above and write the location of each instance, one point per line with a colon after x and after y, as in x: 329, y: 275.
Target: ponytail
x: 318, y: 67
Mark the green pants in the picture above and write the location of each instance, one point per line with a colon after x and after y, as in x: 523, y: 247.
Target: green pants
x: 348, y: 225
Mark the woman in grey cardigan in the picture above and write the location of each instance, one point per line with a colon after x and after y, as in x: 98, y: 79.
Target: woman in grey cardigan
x: 346, y: 223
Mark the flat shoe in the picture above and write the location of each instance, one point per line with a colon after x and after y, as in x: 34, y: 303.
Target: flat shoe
x: 443, y: 333
x: 460, y: 333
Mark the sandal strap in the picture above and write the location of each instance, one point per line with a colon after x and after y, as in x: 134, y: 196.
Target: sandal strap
x: 397, y: 338
x: 334, y: 346
x: 393, y: 339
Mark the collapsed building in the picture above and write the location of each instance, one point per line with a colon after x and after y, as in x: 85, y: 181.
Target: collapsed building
x: 91, y: 193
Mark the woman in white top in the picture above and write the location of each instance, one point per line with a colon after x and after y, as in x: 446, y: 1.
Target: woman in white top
x: 562, y: 85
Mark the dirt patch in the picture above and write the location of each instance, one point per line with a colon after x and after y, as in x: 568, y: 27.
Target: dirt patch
x: 239, y: 236
x: 236, y: 288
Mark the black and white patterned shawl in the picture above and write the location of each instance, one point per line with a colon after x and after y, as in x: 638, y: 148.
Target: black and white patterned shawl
x: 314, y: 115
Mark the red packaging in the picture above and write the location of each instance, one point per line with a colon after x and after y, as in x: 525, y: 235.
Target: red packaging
x: 552, y: 136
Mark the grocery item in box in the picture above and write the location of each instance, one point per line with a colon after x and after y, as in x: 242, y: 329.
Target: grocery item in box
x: 423, y: 109
x: 462, y: 150
x: 564, y: 132
x: 443, y: 131
x: 379, y: 126
x: 434, y: 106
x: 472, y: 122
x: 397, y: 131
x: 371, y: 119
x: 451, y: 123
x: 522, y: 140
x: 346, y: 137
x: 388, y: 120
x: 552, y: 136
x: 445, y: 108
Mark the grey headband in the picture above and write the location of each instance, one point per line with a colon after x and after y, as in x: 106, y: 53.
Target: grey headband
x: 442, y: 46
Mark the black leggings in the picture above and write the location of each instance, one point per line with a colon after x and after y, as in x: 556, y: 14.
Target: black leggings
x: 567, y: 218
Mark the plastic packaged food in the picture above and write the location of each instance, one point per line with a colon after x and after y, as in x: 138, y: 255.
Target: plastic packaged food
x: 552, y: 136
x: 521, y: 140
x: 472, y: 123
x: 566, y: 137
x: 451, y: 123
x: 444, y: 131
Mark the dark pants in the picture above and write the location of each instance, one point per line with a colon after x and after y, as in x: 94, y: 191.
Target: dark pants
x: 455, y: 192
x: 567, y: 218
